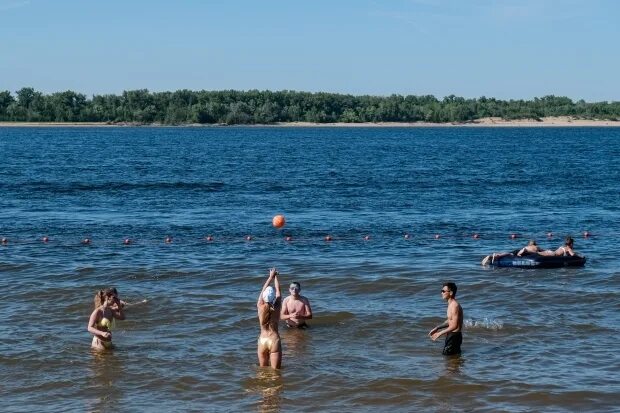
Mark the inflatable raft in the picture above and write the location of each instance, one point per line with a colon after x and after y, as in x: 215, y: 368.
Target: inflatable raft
x: 538, y: 261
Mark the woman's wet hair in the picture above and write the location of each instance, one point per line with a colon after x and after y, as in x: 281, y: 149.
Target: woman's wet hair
x: 569, y: 241
x: 101, y: 295
x: 532, y: 242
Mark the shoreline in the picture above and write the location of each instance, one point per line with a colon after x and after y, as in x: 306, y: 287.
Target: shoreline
x: 559, y: 121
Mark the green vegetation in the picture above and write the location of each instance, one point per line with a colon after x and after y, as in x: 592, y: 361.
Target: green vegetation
x: 263, y: 107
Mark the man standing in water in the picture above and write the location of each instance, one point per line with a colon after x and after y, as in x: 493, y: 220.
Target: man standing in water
x: 296, y: 308
x: 453, y: 325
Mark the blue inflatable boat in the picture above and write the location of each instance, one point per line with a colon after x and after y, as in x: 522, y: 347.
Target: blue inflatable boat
x: 538, y: 261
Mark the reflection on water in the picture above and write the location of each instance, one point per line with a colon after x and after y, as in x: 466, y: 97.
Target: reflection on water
x: 268, y: 383
x: 106, y: 370
x: 453, y: 364
x: 295, y: 342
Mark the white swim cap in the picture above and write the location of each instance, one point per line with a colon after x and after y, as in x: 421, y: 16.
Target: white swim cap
x: 269, y: 295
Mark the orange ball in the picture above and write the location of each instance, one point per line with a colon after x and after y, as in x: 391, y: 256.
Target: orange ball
x: 278, y: 221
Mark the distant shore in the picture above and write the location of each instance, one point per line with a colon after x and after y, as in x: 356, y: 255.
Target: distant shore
x: 560, y: 121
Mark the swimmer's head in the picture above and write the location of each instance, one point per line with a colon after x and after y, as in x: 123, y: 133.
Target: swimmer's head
x: 295, y: 288
x: 103, y: 295
x: 569, y: 241
x: 269, y: 295
x: 449, y: 288
x: 532, y: 242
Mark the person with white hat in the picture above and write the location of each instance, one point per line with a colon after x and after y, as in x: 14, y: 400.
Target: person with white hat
x: 268, y: 306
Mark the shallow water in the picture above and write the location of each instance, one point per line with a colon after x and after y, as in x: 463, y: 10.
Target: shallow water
x: 535, y: 340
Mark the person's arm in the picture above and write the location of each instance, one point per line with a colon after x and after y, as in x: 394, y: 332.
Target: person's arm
x: 276, y: 283
x: 440, y: 326
x: 92, y: 326
x: 521, y: 251
x: 272, y: 273
x: 284, y: 314
x: 118, y: 312
x: 307, y: 315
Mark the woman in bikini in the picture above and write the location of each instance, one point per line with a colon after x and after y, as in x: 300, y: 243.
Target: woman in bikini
x: 566, y: 249
x: 268, y: 306
x: 107, y: 308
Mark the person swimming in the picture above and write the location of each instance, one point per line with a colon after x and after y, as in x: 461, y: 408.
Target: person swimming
x: 269, y: 347
x: 107, y: 308
x: 296, y: 308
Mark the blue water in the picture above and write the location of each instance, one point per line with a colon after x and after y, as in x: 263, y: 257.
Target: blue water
x: 534, y: 339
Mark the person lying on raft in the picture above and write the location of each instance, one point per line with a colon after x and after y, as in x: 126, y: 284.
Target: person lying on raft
x: 269, y: 305
x: 566, y: 249
x: 530, y: 248
x: 107, y: 308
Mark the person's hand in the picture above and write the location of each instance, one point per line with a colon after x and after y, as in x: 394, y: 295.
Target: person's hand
x: 107, y: 335
x: 430, y: 334
x: 273, y: 272
x: 436, y: 336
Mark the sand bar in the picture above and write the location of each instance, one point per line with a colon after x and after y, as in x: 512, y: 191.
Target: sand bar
x: 559, y: 121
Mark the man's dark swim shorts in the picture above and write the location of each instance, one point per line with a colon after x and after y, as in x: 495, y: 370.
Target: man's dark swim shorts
x: 453, y: 344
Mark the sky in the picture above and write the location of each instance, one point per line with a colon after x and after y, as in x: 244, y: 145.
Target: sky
x: 507, y: 49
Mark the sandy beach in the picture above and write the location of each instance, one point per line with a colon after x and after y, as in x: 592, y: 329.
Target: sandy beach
x: 559, y: 121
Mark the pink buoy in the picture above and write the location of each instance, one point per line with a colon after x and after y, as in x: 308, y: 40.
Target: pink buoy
x: 367, y: 237
x: 328, y: 238
x: 45, y: 239
x: 86, y: 241
x: 288, y: 238
x: 476, y: 236
x: 127, y: 241
x: 168, y: 240
x: 549, y: 234
x: 407, y: 236
x: 437, y: 236
x: 4, y: 241
x: 248, y: 238
x: 513, y: 236
x: 586, y: 234
x: 209, y: 238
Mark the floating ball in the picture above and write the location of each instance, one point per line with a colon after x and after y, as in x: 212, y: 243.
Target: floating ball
x: 549, y: 234
x: 209, y: 238
x: 127, y: 241
x: 278, y: 221
x: 406, y: 236
x: 513, y: 236
x: 586, y: 234
x: 4, y: 241
x: 248, y: 238
x: 437, y: 236
x: 475, y: 236
x: 168, y: 240
x: 45, y: 239
x: 288, y: 238
x: 328, y: 238
x: 86, y: 241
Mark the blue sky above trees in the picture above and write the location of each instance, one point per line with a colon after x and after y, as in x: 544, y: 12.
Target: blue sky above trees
x: 503, y: 48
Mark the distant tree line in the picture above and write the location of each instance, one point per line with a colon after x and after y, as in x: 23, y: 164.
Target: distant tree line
x: 264, y: 107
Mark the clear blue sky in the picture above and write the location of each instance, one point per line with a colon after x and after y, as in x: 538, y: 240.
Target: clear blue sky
x: 496, y: 48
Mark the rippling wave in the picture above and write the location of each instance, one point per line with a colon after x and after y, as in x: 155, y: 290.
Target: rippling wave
x: 534, y: 340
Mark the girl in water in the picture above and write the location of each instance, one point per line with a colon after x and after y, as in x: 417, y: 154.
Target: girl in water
x: 268, y: 306
x: 107, y: 308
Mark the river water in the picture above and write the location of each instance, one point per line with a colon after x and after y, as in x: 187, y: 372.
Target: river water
x: 534, y: 340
